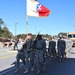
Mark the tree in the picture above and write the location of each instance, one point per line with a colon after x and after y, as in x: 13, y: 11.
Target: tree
x: 62, y: 33
x: 1, y: 22
x: 6, y: 33
x: 20, y: 35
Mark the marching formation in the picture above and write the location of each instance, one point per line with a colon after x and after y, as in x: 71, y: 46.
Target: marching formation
x: 35, y: 52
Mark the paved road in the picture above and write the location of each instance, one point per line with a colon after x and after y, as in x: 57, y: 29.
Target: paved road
x: 5, y: 48
x: 7, y: 57
x: 66, y: 67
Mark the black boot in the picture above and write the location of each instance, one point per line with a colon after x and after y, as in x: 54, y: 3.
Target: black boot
x: 26, y: 71
x: 38, y: 72
x: 17, y: 70
x: 43, y: 69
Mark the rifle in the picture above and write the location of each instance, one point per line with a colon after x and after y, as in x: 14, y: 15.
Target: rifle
x: 37, y: 35
x: 34, y: 46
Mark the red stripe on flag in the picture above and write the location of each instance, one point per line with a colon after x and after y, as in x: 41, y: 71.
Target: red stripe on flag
x: 43, y: 11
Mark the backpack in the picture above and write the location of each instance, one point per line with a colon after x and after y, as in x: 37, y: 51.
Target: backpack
x: 39, y: 45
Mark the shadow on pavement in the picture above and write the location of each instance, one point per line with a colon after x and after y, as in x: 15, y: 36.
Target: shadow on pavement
x: 66, y: 67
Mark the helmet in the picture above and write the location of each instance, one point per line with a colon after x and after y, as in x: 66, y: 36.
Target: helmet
x: 39, y: 37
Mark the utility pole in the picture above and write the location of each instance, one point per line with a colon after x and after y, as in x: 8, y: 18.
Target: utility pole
x: 15, y: 28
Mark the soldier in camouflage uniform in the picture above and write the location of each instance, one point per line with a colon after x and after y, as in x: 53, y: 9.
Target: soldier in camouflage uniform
x: 29, y: 52
x: 61, y: 45
x: 40, y: 49
x: 20, y: 54
x: 52, y: 49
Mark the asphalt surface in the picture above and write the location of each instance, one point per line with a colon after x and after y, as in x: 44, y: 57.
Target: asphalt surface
x: 6, y: 58
x: 66, y: 67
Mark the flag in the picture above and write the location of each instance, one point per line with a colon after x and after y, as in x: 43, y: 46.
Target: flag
x: 34, y: 8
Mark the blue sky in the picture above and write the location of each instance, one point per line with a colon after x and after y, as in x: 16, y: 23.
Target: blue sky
x: 61, y: 19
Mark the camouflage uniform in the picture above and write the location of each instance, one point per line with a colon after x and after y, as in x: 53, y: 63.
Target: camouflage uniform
x: 40, y: 47
x: 61, y: 45
x: 20, y: 55
x: 29, y: 53
x: 52, y: 50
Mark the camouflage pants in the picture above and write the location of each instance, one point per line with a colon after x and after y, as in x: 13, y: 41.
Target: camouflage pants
x: 52, y: 52
x: 61, y: 53
x: 39, y: 59
x: 31, y: 57
x: 20, y: 55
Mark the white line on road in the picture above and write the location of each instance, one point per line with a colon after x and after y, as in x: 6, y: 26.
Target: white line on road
x: 9, y: 70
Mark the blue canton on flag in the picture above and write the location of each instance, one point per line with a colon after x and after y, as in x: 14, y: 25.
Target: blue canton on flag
x: 38, y: 7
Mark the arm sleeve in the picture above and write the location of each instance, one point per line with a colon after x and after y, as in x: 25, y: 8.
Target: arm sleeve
x: 64, y: 45
x: 57, y: 44
x: 49, y: 45
x: 24, y: 45
x: 44, y: 45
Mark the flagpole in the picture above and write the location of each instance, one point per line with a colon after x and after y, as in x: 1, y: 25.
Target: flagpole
x: 26, y: 20
x: 26, y: 24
